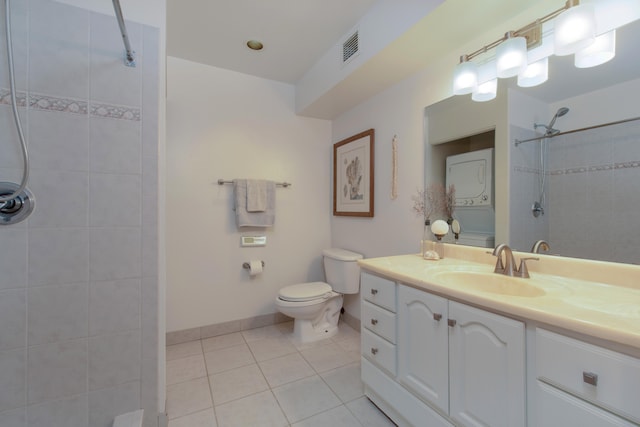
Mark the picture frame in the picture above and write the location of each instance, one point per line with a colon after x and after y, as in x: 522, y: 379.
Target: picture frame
x: 353, y: 175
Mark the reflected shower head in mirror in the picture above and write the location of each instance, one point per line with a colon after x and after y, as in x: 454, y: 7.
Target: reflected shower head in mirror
x: 549, y: 128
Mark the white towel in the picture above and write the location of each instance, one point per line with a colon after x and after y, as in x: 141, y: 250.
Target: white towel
x: 245, y: 218
x: 256, y: 195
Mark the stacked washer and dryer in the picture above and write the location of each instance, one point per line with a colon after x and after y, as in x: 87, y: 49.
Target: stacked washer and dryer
x: 472, y: 175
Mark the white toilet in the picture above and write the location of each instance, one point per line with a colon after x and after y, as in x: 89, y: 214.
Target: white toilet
x: 315, y: 306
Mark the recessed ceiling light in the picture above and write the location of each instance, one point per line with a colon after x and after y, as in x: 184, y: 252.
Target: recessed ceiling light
x: 254, y: 45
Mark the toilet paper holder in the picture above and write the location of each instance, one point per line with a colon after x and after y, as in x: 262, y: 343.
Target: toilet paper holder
x: 246, y: 265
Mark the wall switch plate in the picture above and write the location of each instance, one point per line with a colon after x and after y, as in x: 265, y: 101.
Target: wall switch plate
x: 253, y: 241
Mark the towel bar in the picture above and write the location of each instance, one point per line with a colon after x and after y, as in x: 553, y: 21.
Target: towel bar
x: 279, y: 184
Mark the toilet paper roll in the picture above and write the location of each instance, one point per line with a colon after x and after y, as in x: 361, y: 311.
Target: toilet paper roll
x: 255, y: 267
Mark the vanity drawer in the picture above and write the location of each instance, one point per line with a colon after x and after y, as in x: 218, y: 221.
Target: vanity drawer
x: 379, y: 291
x: 379, y: 351
x: 379, y: 320
x: 599, y: 375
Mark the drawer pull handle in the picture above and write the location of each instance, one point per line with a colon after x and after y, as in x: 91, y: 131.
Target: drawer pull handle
x: 374, y: 291
x: 374, y: 350
x: 590, y: 378
x: 437, y: 317
x: 374, y: 321
x: 451, y: 322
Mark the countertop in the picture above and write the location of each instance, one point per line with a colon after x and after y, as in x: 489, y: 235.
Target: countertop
x: 596, y: 307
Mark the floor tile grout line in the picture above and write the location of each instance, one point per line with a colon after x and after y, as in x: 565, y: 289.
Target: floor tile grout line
x: 270, y: 388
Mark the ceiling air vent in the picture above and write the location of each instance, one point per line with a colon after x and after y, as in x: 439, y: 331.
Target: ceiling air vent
x: 350, y: 47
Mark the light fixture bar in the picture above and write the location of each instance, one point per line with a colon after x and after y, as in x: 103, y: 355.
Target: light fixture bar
x: 532, y: 31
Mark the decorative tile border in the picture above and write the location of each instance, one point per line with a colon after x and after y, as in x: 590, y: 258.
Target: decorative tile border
x: 61, y: 105
x: 5, y: 97
x: 597, y: 168
x: 583, y: 169
x: 73, y: 106
x: 115, y: 112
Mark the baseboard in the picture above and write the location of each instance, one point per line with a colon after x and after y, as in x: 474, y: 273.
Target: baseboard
x: 214, y: 330
x: 350, y: 320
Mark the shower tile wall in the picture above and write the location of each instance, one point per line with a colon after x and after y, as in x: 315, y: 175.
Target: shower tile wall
x: 594, y: 194
x: 78, y: 279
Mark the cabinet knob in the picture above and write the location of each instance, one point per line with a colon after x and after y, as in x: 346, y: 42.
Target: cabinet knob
x: 374, y: 291
x: 451, y: 322
x: 374, y: 350
x: 374, y: 321
x: 437, y: 317
x: 590, y: 378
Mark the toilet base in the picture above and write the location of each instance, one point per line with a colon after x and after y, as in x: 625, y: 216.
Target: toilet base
x: 325, y: 325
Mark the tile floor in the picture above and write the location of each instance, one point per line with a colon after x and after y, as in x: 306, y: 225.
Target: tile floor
x: 261, y: 377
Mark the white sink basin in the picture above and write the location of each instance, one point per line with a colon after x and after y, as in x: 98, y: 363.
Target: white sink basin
x: 490, y: 282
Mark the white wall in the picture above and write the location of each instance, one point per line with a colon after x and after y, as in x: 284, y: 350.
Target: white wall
x: 223, y: 124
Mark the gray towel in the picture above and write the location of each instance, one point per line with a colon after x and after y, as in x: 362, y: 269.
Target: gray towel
x: 256, y: 195
x: 244, y: 218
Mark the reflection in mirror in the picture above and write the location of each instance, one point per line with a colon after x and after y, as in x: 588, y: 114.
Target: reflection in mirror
x: 586, y: 181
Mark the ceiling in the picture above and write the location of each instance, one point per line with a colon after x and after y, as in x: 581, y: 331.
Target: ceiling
x: 295, y: 33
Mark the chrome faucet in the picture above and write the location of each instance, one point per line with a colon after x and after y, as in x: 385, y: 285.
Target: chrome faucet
x: 540, y: 244
x: 508, y: 268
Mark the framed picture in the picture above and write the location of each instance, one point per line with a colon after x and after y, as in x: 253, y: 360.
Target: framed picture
x: 353, y: 175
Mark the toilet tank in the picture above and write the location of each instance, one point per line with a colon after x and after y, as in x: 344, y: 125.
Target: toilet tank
x: 342, y: 270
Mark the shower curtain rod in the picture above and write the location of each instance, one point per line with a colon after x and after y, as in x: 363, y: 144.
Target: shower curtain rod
x: 129, y: 58
x: 518, y: 142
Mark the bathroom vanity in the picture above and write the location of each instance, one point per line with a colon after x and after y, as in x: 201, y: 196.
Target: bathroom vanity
x: 449, y: 342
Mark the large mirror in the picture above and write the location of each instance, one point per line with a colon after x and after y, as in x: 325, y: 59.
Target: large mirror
x: 584, y: 185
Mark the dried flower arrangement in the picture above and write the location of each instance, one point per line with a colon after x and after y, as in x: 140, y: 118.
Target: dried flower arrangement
x: 429, y: 201
x: 450, y: 202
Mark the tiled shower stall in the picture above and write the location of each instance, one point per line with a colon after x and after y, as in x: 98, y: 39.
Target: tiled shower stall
x: 591, y: 193
x: 78, y: 278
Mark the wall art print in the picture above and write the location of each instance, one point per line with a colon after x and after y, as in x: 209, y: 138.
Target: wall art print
x: 353, y: 171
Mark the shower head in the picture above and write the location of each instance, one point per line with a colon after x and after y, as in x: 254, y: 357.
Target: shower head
x: 561, y: 112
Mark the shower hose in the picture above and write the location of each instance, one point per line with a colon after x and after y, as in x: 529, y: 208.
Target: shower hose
x: 7, y: 199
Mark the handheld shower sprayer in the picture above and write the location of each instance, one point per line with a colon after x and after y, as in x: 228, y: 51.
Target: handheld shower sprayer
x: 537, y: 208
x: 549, y: 130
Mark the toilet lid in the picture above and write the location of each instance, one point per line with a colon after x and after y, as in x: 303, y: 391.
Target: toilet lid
x: 304, y: 291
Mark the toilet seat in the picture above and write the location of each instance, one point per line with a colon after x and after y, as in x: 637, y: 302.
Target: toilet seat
x: 305, y: 292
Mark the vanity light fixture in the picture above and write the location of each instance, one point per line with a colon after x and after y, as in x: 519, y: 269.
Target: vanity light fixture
x: 535, y: 73
x: 574, y: 29
x: 601, y: 51
x: 465, y: 77
x: 511, y: 55
x: 486, y: 91
x: 585, y: 28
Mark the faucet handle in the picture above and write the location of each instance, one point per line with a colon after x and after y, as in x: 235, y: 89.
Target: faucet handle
x: 522, y: 270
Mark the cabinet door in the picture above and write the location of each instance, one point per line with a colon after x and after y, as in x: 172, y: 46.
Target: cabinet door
x: 487, y: 368
x: 423, y: 345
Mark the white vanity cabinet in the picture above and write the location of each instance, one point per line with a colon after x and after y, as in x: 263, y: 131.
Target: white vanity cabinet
x: 468, y: 363
x: 429, y: 361
x: 585, y: 384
